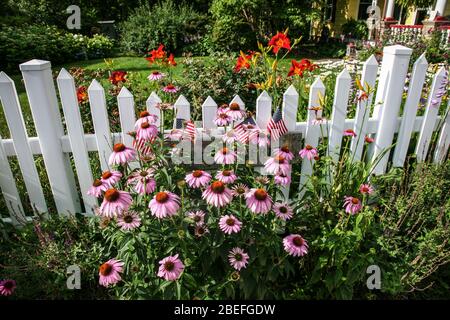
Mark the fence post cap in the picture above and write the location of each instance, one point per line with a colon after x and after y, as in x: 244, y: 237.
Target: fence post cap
x: 35, y: 65
x: 398, y: 50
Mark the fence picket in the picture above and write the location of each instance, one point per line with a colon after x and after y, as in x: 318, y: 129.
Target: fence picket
x: 290, y: 107
x: 182, y: 109
x: 67, y: 92
x: 209, y: 111
x: 263, y: 109
x: 410, y: 110
x: 125, y: 102
x: 8, y: 187
x: 41, y: 93
x: 390, y: 107
x: 444, y: 138
x: 369, y: 76
x: 16, y: 124
x: 341, y: 94
x: 101, y: 123
x: 151, y: 103
x: 312, y: 131
x: 431, y: 113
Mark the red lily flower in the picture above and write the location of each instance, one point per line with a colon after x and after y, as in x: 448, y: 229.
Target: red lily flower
x: 278, y: 41
x: 243, y: 61
x: 297, y: 68
x: 82, y: 94
x: 117, y: 76
x: 171, y: 60
x: 156, y: 54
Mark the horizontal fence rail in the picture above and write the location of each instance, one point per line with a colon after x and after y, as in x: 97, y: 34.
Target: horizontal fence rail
x: 392, y: 118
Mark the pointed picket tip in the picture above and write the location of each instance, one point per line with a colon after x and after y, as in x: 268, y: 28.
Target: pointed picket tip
x: 95, y: 86
x: 237, y: 100
x: 441, y: 72
x: 124, y: 93
x: 264, y: 96
x: 209, y: 102
x: 182, y: 101
x: 4, y: 78
x: 64, y: 75
x: 371, y: 61
x: 291, y: 91
x: 154, y: 97
x: 344, y: 74
x: 318, y: 84
x: 421, y: 60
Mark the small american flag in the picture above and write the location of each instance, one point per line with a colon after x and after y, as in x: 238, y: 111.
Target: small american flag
x: 179, y: 123
x: 143, y: 146
x: 190, y: 129
x: 276, y: 125
x: 246, y: 130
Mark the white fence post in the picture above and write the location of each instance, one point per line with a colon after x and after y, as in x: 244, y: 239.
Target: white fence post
x: 9, y: 189
x: 389, y: 110
x: 263, y: 109
x: 16, y: 124
x: 444, y: 138
x: 290, y: 107
x: 431, y: 113
x: 363, y: 109
x: 151, y: 103
x: 100, y: 120
x: 410, y: 110
x: 125, y: 102
x: 209, y: 111
x: 44, y: 107
x: 75, y: 131
x: 182, y: 109
x: 341, y: 94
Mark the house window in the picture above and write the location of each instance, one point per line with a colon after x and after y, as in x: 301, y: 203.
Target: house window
x: 362, y: 11
x: 330, y: 10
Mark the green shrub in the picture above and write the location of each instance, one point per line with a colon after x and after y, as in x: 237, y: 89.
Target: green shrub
x: 173, y: 25
x: 355, y: 29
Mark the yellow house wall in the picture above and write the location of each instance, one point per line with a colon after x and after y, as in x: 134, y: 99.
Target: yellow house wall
x: 410, y: 15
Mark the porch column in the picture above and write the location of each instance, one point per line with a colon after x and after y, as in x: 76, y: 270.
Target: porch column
x: 440, y: 7
x: 390, y: 9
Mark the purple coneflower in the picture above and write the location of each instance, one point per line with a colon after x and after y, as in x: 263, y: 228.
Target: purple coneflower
x: 235, y: 112
x: 198, y: 178
x: 308, y: 152
x: 229, y: 137
x: 282, y: 179
x: 295, y: 245
x: 164, y: 204
x: 7, y: 287
x: 217, y: 194
x: 259, y: 138
x: 366, y: 189
x: 197, y: 216
x: 277, y: 164
x: 115, y: 202
x: 145, y: 116
x: 111, y: 177
x: 128, y: 220
x: 146, y: 131
x: 222, y: 119
x: 239, y: 190
x: 98, y: 186
x: 225, y: 156
x: 352, y: 205
x: 284, y: 152
x: 258, y: 201
x: 283, y: 211
x: 155, y: 76
x: 121, y: 154
x: 229, y: 224
x: 201, y: 231
x: 109, y: 272
x: 226, y: 176
x: 349, y: 133
x: 238, y: 258
x: 170, y: 268
x: 143, y: 181
x: 170, y: 88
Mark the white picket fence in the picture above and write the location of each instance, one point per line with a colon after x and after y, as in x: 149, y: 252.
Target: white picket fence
x: 55, y: 146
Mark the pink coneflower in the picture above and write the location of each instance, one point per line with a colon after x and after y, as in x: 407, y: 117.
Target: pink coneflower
x: 170, y: 268
x: 283, y: 211
x: 238, y: 258
x: 201, y: 231
x: 115, y: 202
x: 349, y: 133
x: 175, y: 134
x: 164, y: 204
x: 277, y: 164
x: 226, y: 176
x: 225, y: 156
x: 263, y: 180
x: 295, y: 245
x: 229, y: 224
x: 260, y: 138
x: 128, y: 220
x: 145, y: 116
x: 143, y: 181
x: 146, y: 131
x: 366, y: 189
x: 239, y: 190
x: 98, y: 186
x: 282, y: 179
x: 308, y: 152
x: 235, y: 112
x: 284, y: 152
x: 217, y: 194
x: 197, y: 216
x: 352, y: 205
x: 258, y: 201
x: 155, y: 76
x: 198, y: 178
x: 121, y: 154
x: 368, y: 139
x: 170, y: 88
x: 111, y: 177
x: 109, y: 272
x: 229, y: 137
x: 222, y: 119
x: 7, y: 287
